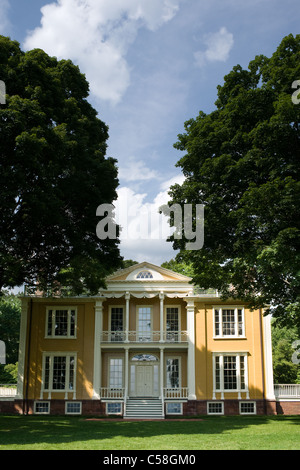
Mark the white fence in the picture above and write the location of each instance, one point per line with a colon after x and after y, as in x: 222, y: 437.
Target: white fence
x: 8, y: 391
x: 178, y: 393
x: 287, y: 391
x: 141, y: 337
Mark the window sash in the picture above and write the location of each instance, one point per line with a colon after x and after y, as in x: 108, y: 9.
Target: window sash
x: 144, y: 323
x: 115, y: 373
x: 229, y: 322
x: 173, y: 372
x: 61, y: 322
x: 230, y: 372
x: 172, y: 319
x: 116, y: 319
x: 59, y: 372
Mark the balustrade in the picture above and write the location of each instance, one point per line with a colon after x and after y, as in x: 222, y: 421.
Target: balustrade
x: 140, y: 337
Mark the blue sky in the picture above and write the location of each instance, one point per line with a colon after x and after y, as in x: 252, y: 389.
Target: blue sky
x: 151, y: 65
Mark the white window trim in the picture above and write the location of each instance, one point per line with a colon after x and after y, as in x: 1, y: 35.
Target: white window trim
x: 179, y: 316
x: 73, y: 412
x: 41, y: 412
x: 115, y: 403
x: 114, y: 334
x: 245, y: 412
x: 237, y: 390
x: 229, y: 307
x: 67, y: 389
x: 179, y: 367
x: 213, y: 403
x: 110, y: 313
x: 137, y: 317
x: 111, y: 356
x: 54, y: 309
x: 172, y: 412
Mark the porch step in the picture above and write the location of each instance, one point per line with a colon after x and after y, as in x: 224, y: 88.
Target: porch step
x: 144, y: 408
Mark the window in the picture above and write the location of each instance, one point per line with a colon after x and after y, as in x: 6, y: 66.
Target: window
x: 247, y: 408
x: 174, y: 408
x: 144, y: 358
x: 73, y: 407
x: 144, y: 275
x: 144, y: 321
x: 114, y: 408
x: 41, y: 407
x: 230, y: 372
x: 173, y: 376
x: 59, y: 371
x: 229, y: 322
x: 172, y: 323
x: 115, y: 373
x: 215, y: 408
x: 61, y: 323
x: 116, y: 323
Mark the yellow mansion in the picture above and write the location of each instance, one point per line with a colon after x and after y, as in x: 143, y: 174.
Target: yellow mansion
x: 148, y: 346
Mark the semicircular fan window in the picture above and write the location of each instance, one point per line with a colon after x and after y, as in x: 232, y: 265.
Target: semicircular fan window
x: 144, y: 275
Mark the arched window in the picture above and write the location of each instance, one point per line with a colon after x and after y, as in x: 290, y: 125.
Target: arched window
x: 144, y: 358
x: 144, y: 275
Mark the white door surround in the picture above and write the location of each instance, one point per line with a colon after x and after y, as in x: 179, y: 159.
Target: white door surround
x: 144, y: 376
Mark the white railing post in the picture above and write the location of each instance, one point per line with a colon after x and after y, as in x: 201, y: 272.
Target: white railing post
x: 161, y: 316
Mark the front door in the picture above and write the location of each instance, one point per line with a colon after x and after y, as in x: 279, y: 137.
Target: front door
x: 144, y: 381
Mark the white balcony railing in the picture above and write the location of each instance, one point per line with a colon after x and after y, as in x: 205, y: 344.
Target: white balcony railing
x: 177, y: 393
x: 287, y: 390
x: 144, y: 337
x: 8, y: 391
x: 115, y: 393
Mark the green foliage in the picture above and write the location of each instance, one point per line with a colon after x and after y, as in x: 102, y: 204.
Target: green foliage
x: 54, y: 175
x: 180, y: 266
x: 242, y: 161
x: 284, y: 369
x: 8, y: 373
x: 10, y: 314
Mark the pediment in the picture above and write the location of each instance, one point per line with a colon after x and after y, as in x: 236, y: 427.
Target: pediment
x: 147, y: 272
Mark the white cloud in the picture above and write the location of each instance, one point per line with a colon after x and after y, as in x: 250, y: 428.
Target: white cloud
x: 218, y: 48
x: 96, y: 35
x: 144, y: 230
x: 135, y: 170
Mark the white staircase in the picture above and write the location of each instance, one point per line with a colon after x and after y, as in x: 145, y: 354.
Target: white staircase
x: 144, y: 408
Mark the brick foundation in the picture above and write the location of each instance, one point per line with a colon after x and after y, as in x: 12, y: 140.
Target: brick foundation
x: 190, y: 408
x: 288, y: 407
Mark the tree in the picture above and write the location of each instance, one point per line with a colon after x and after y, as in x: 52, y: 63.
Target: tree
x: 54, y: 175
x: 284, y: 369
x: 242, y: 163
x: 178, y: 266
x: 10, y: 314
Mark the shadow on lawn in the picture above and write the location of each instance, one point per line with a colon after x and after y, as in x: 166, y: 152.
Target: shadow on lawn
x: 51, y: 430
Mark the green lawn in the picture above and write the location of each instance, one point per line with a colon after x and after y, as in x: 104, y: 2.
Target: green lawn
x: 209, y: 433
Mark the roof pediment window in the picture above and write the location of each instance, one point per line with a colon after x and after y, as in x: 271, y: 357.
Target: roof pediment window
x: 144, y: 275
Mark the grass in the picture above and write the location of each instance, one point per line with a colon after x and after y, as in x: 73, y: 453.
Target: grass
x: 209, y: 433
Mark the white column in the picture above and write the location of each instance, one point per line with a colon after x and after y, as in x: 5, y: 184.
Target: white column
x: 161, y: 298
x: 22, y: 348
x: 127, y: 297
x: 268, y: 362
x: 162, y: 372
x: 190, y: 311
x: 97, y: 349
x: 126, y: 372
